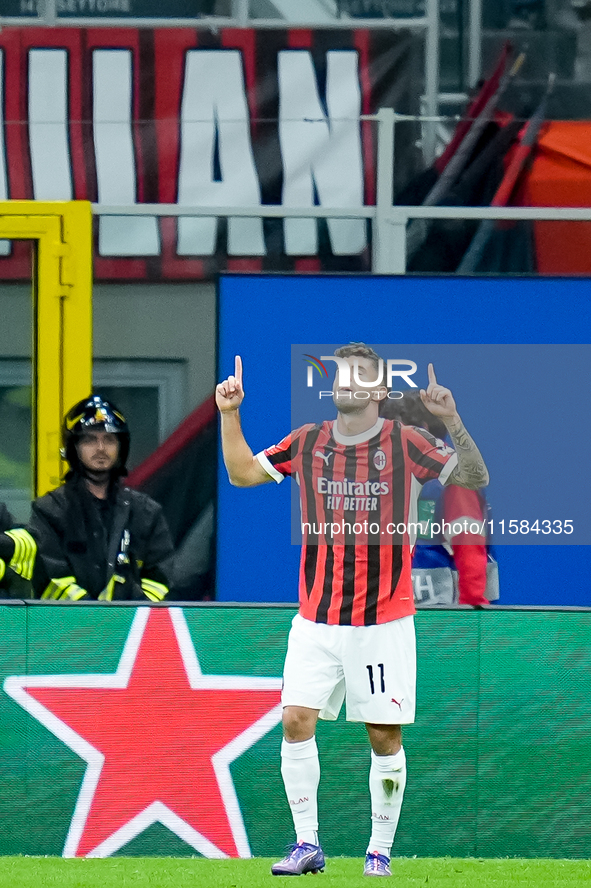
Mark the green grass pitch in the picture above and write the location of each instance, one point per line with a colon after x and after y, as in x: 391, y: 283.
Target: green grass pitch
x: 168, y: 872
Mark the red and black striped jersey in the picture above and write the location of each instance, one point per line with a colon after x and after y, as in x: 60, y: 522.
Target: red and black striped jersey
x: 358, y: 505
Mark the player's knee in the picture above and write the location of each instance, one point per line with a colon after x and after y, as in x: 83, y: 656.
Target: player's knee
x: 299, y: 723
x: 385, y: 739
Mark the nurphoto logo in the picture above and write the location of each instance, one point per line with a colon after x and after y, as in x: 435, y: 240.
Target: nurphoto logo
x: 395, y: 367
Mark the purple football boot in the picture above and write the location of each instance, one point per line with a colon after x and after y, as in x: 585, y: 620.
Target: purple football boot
x: 376, y: 864
x: 302, y: 858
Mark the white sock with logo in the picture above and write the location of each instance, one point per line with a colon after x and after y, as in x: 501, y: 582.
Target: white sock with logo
x: 300, y: 769
x: 387, y: 779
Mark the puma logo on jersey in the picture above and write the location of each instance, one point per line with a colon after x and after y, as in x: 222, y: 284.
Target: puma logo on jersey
x: 397, y: 703
x: 324, y: 456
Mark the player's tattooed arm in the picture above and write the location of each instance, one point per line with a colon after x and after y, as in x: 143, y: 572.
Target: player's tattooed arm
x: 471, y: 471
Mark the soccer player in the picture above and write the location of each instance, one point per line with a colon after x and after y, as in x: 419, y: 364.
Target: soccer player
x: 353, y: 637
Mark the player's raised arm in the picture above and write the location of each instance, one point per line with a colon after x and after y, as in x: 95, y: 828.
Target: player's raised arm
x: 470, y: 472
x: 244, y: 470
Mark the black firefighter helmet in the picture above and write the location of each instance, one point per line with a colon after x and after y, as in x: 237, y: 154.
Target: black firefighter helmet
x: 94, y: 413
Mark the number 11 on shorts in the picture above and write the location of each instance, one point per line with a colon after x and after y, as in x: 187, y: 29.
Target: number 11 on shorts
x: 371, y: 681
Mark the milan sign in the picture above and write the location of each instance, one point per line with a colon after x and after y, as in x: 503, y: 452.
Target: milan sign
x: 178, y: 116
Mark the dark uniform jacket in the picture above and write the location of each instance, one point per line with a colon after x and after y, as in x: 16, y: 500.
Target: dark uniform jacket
x: 119, y: 548
x: 17, y: 558
x: 6, y: 522
x: 6, y: 519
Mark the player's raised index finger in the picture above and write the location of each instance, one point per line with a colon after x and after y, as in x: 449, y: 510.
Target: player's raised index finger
x: 431, y: 372
x: 238, y: 369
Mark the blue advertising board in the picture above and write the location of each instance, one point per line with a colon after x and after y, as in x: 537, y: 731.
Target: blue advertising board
x: 513, y: 350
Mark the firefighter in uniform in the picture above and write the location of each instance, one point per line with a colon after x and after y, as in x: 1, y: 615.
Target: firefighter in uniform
x: 17, y: 557
x: 96, y: 538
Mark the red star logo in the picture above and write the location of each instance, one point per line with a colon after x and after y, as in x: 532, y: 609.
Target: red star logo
x: 158, y: 737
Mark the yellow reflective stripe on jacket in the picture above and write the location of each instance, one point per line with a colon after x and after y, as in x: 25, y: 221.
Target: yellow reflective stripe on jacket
x: 153, y: 590
x: 2, y: 568
x: 63, y: 589
x: 25, y: 550
x: 107, y: 593
x: 74, y: 592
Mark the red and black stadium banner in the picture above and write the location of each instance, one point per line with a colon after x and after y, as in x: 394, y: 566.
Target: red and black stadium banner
x: 181, y: 476
x: 241, y: 117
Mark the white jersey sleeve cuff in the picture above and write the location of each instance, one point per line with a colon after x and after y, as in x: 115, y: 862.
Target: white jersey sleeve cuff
x: 465, y: 524
x: 269, y: 467
x: 448, y: 468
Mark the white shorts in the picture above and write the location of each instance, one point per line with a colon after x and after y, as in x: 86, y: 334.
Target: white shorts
x: 373, y: 667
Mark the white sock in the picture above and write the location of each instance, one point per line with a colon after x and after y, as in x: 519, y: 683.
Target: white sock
x: 300, y: 769
x: 387, y: 779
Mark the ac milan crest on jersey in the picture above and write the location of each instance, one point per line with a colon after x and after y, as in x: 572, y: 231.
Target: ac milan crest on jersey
x: 379, y: 460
